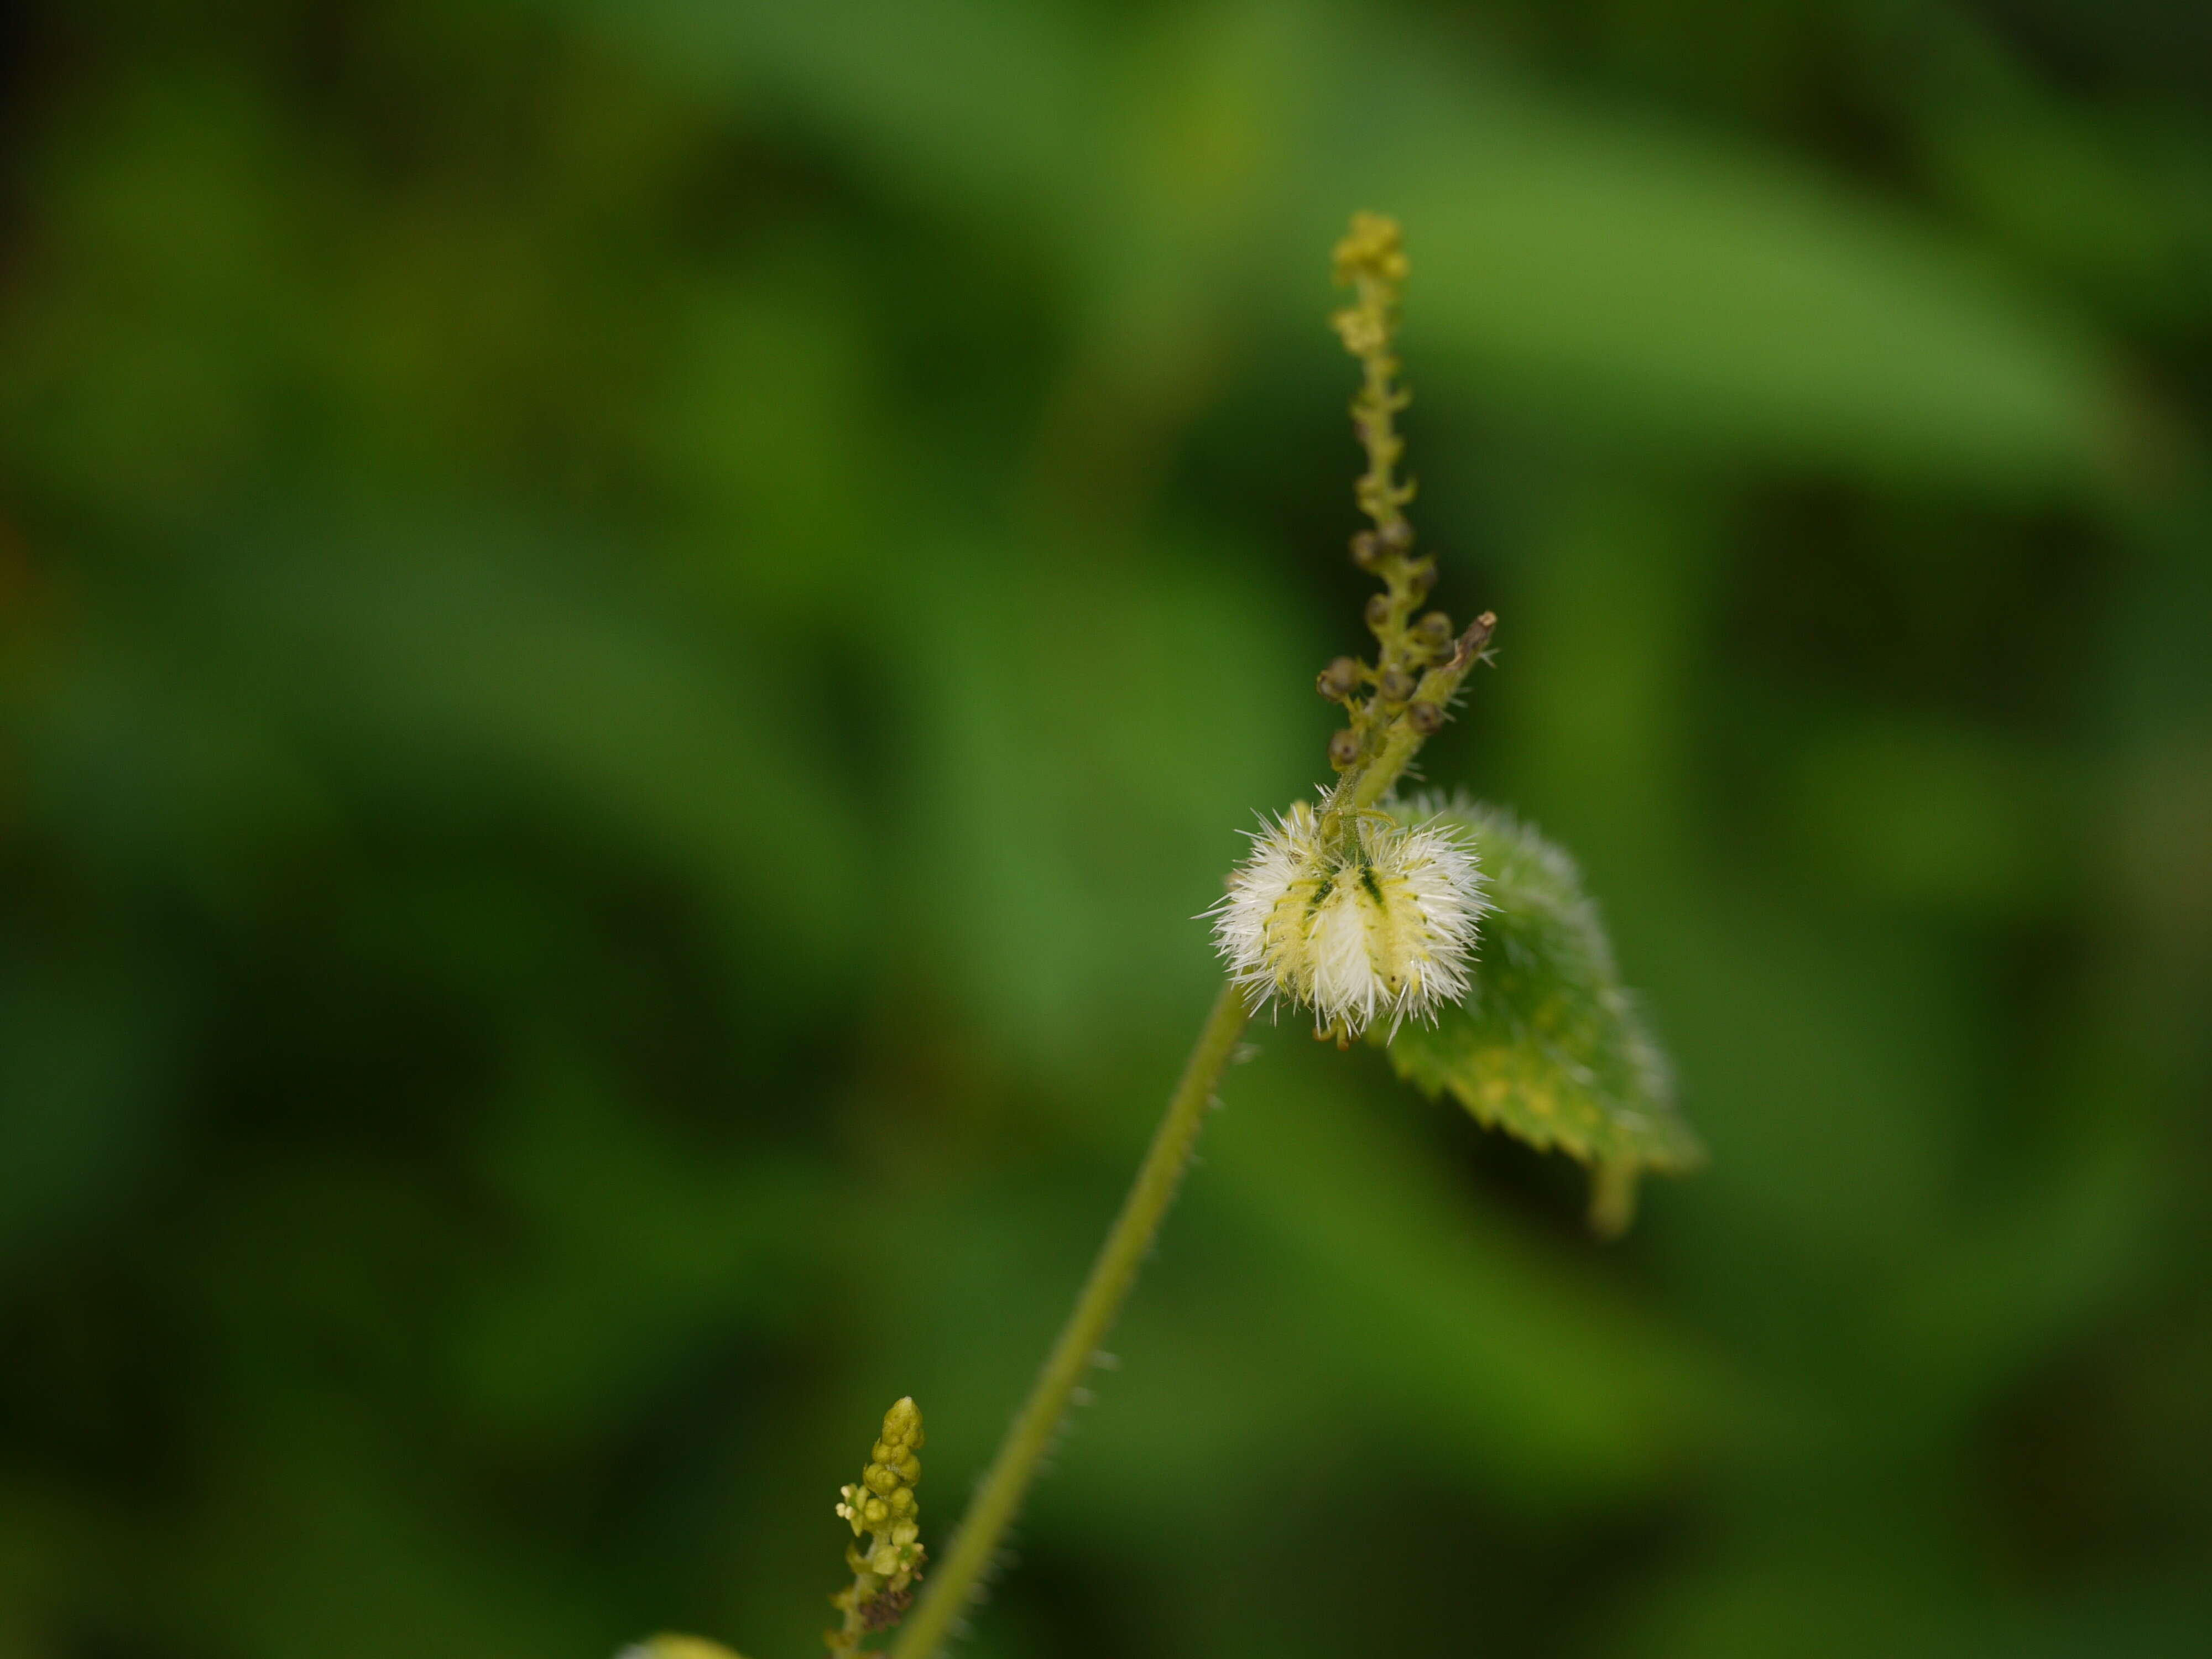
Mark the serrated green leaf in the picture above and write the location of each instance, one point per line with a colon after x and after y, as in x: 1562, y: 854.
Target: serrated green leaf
x: 1548, y: 1047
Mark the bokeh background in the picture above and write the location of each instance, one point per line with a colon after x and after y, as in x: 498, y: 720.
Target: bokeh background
x: 630, y: 632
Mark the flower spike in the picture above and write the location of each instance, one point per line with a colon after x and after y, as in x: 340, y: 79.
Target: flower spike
x: 881, y: 1504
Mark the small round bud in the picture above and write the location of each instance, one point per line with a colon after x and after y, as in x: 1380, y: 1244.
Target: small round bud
x: 1339, y: 680
x: 1421, y: 577
x: 1378, y: 612
x: 1344, y: 748
x: 1434, y: 631
x: 1367, y: 552
x: 1396, y: 536
x: 1426, y: 717
x: 1396, y: 685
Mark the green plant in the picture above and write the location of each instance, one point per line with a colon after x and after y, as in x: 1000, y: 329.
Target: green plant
x: 1365, y: 910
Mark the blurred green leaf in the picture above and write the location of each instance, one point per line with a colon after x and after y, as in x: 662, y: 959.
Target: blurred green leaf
x: 1640, y: 277
x: 976, y: 98
x: 81, y: 1059
x: 1617, y: 269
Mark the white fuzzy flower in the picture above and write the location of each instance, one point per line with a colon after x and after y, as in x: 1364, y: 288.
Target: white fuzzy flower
x: 1380, y: 924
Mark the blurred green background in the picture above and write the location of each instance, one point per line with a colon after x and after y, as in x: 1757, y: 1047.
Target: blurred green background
x: 629, y: 634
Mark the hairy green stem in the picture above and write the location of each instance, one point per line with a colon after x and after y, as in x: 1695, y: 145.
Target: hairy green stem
x: 952, y: 1583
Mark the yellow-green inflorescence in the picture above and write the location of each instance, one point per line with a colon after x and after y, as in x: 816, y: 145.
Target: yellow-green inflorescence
x: 881, y: 1504
x: 1343, y: 910
x: 1401, y: 698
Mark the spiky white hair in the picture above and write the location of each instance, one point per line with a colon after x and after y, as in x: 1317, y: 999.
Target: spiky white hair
x: 1382, y: 924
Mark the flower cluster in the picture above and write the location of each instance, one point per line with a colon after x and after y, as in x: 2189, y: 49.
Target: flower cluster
x: 1358, y: 920
x: 882, y: 1503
